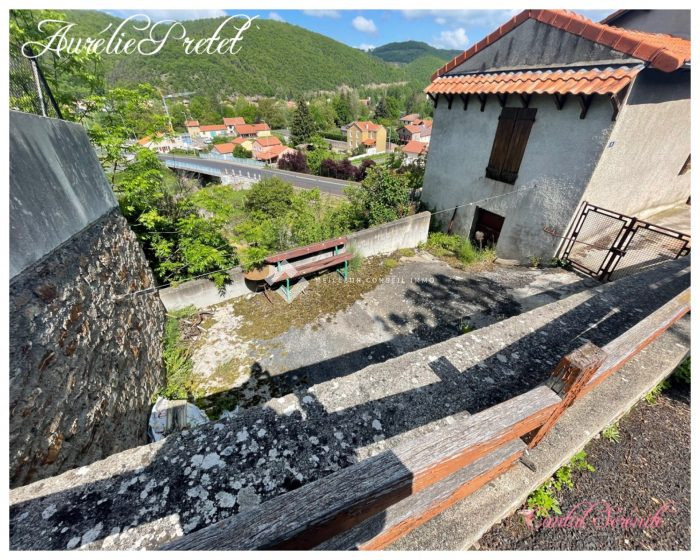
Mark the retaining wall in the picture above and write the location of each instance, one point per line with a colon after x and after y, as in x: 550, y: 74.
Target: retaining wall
x: 405, y: 233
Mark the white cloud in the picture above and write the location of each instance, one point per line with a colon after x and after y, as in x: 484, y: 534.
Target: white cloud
x: 365, y: 47
x: 274, y: 16
x: 363, y: 24
x: 481, y: 18
x: 454, y: 39
x: 333, y: 14
x: 178, y: 15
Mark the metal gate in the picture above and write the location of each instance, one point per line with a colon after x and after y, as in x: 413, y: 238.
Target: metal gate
x: 607, y: 244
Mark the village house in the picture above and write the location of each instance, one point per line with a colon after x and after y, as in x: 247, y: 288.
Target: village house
x: 408, y: 119
x: 213, y: 130
x: 192, y: 128
x: 163, y: 144
x: 253, y: 130
x: 413, y: 150
x: 415, y: 132
x: 553, y: 109
x: 368, y: 134
x: 231, y: 124
x: 269, y: 152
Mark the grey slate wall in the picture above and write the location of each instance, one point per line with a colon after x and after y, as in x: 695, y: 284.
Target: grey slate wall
x: 84, y: 361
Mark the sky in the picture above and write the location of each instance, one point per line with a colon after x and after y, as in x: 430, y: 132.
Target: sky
x: 366, y: 29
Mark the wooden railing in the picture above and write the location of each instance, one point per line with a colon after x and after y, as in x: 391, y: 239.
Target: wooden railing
x: 451, y: 462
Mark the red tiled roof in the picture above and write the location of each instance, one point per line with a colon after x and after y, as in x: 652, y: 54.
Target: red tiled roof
x: 251, y: 128
x: 663, y: 52
x: 369, y: 141
x: 226, y: 148
x: 267, y: 141
x: 412, y: 128
x: 594, y: 80
x: 191, y: 123
x: 238, y: 140
x: 366, y: 125
x: 233, y: 121
x: 212, y: 127
x: 415, y: 147
x: 273, y: 152
x: 412, y: 117
x: 246, y: 129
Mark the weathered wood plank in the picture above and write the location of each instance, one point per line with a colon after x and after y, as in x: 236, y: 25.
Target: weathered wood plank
x: 402, y: 517
x: 306, y: 517
x: 567, y: 380
x: 306, y: 250
x: 624, y: 347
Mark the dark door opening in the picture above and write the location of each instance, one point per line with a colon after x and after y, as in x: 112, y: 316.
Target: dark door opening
x: 489, y: 224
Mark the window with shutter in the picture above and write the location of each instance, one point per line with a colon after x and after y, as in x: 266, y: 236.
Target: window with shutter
x: 512, y: 133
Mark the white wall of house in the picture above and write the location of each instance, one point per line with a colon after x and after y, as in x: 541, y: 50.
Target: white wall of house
x: 638, y: 171
x: 560, y: 157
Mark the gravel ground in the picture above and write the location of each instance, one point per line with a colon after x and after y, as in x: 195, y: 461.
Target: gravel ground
x: 650, y: 466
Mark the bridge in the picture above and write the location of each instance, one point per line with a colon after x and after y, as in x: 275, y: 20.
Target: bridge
x: 221, y: 168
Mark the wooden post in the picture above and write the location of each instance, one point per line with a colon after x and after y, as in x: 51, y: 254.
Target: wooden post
x: 571, y: 375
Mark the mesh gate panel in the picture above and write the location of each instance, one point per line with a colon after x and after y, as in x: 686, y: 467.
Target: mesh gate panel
x: 594, y: 239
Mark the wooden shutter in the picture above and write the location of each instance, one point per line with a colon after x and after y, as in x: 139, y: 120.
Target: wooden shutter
x: 521, y: 132
x: 512, y: 134
x: 499, y: 150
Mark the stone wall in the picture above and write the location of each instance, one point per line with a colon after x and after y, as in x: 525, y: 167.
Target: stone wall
x: 84, y: 360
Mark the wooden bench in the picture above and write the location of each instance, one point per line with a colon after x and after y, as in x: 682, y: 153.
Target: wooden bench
x: 302, y: 261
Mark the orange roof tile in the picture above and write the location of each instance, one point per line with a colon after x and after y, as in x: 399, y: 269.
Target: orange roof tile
x: 366, y: 125
x: 369, y: 141
x: 663, y: 52
x: 191, y: 123
x: 226, y: 148
x: 261, y: 126
x: 415, y: 147
x: 212, y: 127
x: 594, y: 80
x: 267, y: 141
x: 411, y: 117
x: 272, y: 152
x: 412, y: 128
x: 233, y: 121
x: 238, y: 140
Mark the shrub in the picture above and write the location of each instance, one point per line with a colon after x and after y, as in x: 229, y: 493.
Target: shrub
x: 293, y: 161
x: 240, y: 152
x: 442, y: 244
x: 270, y: 196
x: 176, y: 358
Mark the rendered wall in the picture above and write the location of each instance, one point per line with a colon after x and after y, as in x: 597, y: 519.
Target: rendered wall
x: 560, y: 157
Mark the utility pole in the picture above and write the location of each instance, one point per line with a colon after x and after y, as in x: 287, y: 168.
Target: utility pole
x: 172, y: 96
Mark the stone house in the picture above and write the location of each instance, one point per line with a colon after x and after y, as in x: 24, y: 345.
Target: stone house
x: 368, y: 134
x: 552, y: 109
x: 408, y: 119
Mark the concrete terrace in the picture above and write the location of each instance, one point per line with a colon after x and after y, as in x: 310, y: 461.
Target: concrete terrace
x: 147, y: 496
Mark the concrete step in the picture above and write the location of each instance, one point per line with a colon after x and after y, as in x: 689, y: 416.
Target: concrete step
x: 146, y: 496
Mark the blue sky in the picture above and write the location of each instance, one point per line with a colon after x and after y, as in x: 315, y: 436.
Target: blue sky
x: 449, y: 29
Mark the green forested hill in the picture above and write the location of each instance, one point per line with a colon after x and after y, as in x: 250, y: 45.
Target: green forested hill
x: 409, y: 51
x: 276, y: 59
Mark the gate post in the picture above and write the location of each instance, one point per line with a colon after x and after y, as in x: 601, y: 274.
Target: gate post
x: 571, y: 374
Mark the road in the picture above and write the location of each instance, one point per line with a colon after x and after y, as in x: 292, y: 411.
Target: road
x: 219, y: 167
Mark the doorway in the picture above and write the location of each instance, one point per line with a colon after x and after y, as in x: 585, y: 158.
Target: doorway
x: 489, y: 224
